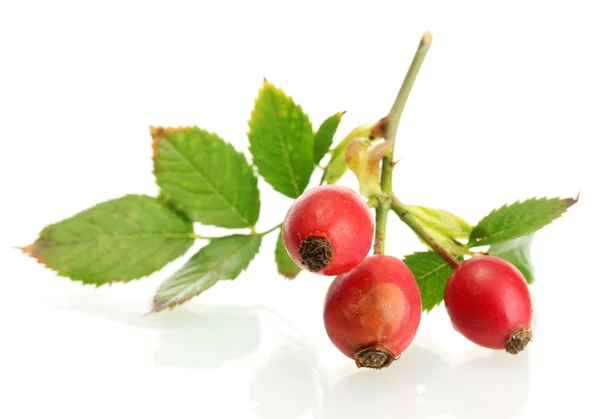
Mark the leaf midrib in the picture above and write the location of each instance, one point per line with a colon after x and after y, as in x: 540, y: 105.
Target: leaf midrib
x: 217, y: 192
x: 487, y: 236
x: 441, y: 266
x: 107, y: 237
x: 287, y: 159
x: 176, y: 298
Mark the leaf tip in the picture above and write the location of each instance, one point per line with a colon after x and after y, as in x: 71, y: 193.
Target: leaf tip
x: 28, y: 250
x: 33, y: 251
x: 289, y: 275
x: 569, y: 202
x: 159, y: 305
x: 156, y: 133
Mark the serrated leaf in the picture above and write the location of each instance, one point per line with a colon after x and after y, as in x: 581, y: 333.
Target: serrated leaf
x: 519, y: 219
x: 281, y: 141
x: 118, y: 240
x: 206, y: 177
x: 223, y: 258
x: 285, y: 265
x: 517, y: 252
x: 432, y: 274
x: 324, y: 136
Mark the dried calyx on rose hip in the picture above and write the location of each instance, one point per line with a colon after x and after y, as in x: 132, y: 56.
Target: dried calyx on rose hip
x: 328, y: 230
x: 489, y: 303
x: 373, y: 311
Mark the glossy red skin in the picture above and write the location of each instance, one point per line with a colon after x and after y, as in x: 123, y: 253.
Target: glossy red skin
x: 375, y: 304
x: 337, y: 213
x: 487, y: 300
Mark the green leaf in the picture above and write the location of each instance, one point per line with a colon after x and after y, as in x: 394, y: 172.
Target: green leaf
x: 324, y: 136
x: 432, y: 274
x: 223, y: 258
x: 285, y: 265
x: 519, y: 219
x: 117, y: 240
x: 206, y: 177
x: 281, y: 141
x: 442, y: 221
x: 336, y: 168
x: 517, y: 252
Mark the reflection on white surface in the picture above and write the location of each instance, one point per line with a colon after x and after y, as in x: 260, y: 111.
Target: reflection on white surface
x: 286, y: 379
x: 287, y: 385
x: 212, y: 339
x: 424, y: 385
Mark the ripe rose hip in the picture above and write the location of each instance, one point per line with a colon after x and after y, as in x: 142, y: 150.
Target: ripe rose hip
x: 488, y: 302
x: 372, y: 312
x: 328, y: 230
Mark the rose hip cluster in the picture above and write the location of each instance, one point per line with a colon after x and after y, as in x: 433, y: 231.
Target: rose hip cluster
x: 373, y: 307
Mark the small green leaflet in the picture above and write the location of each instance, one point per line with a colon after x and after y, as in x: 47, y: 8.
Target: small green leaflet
x: 442, y: 221
x: 517, y: 252
x: 285, y: 265
x: 432, y: 274
x: 324, y: 136
x: 336, y: 168
x: 208, y: 179
x: 223, y: 258
x: 118, y: 240
x: 519, y: 219
x: 281, y: 141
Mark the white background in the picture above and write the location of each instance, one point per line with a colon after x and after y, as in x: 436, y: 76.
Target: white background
x: 506, y: 107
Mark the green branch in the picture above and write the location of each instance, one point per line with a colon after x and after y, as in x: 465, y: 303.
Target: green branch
x: 418, y: 228
x: 389, y: 133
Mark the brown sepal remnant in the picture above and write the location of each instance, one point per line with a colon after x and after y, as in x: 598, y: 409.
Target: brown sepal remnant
x: 517, y: 341
x: 316, y: 253
x: 376, y: 357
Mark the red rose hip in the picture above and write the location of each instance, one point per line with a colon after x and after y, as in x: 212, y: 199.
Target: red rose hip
x: 328, y: 230
x: 488, y: 302
x: 373, y: 311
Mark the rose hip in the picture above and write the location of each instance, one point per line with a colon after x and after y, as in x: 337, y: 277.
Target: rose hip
x: 372, y: 312
x: 488, y: 302
x: 328, y: 230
